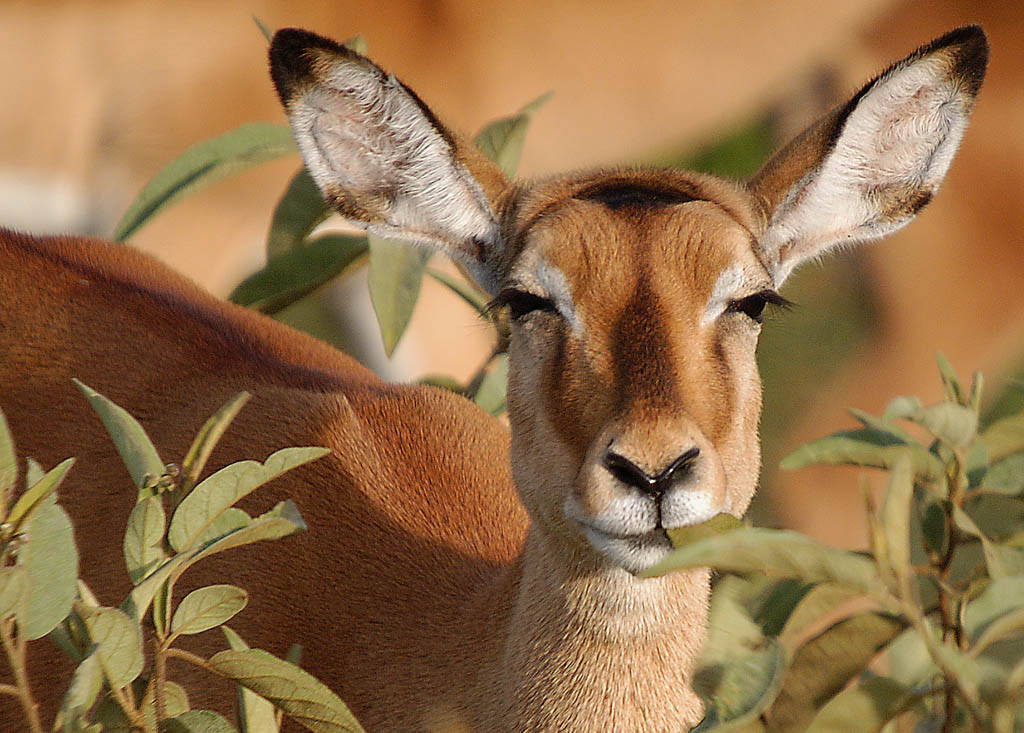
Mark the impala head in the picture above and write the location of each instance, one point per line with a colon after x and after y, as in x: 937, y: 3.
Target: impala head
x: 635, y: 295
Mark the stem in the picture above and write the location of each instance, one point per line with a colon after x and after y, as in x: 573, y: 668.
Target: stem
x: 478, y: 378
x: 15, y: 649
x: 159, y: 678
x: 192, y: 659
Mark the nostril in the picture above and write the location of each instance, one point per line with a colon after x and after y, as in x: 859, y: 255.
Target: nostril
x: 631, y: 474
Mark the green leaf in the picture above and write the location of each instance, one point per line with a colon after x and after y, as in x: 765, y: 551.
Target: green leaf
x: 356, y: 43
x: 120, y: 645
x: 1006, y: 476
x: 143, y: 538
x: 779, y: 552
x: 85, y: 687
x: 175, y: 703
x: 294, y: 274
x: 745, y: 687
x: 204, y: 164
x: 863, y: 708
x: 882, y: 426
x: 267, y: 33
x: 1002, y: 628
x: 502, y: 140
x: 896, y: 520
x: 33, y: 472
x: 283, y: 520
x: 776, y: 605
x: 718, y: 524
x: 823, y: 666
x: 51, y: 561
x: 954, y: 392
x: 490, y: 395
x: 301, y: 209
x: 952, y: 423
x: 37, y: 495
x: 255, y: 715
x: 1003, y: 596
x: 131, y: 441
x: 819, y: 602
x: 1004, y: 437
x: 1001, y: 560
x: 295, y: 691
x: 213, y: 495
x: 8, y: 467
x: 865, y: 447
x: 197, y: 721
x: 205, y: 608
x: 396, y: 273
x: 476, y: 298
x: 14, y: 590
x: 228, y: 521
x: 206, y: 440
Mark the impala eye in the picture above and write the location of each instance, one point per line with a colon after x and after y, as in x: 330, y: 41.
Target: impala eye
x: 753, y: 305
x: 520, y: 303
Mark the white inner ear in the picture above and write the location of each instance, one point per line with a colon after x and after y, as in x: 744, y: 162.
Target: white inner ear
x: 902, y: 135
x: 361, y: 131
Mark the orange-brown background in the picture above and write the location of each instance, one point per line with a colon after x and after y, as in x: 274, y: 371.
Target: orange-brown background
x: 99, y: 95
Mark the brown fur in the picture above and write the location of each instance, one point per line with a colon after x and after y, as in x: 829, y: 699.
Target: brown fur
x: 442, y: 581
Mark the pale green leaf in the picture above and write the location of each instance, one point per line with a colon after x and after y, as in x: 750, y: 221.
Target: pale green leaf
x: 824, y: 665
x: 204, y: 164
x: 820, y: 602
x: 267, y: 33
x: 205, y: 608
x: 14, y: 590
x: 779, y: 552
x: 863, y: 708
x: 131, y: 441
x: 51, y: 562
x: 213, y: 495
x: 1001, y: 628
x: 718, y: 524
x: 143, y: 538
x: 1004, y: 437
x: 255, y: 715
x: 299, y: 694
x: 206, y: 440
x: 197, y: 721
x: 37, y: 494
x: 34, y: 473
x: 951, y: 423
x: 490, y: 395
x: 356, y: 43
x: 864, y: 447
x: 120, y: 645
x: 227, y: 521
x: 396, y: 274
x: 882, y: 426
x: 175, y: 703
x: 1003, y: 596
x: 8, y: 467
x: 954, y: 392
x: 745, y: 687
x: 1001, y: 560
x: 301, y: 209
x: 85, y: 687
x: 1005, y: 476
x: 292, y: 275
x: 775, y: 605
x: 896, y: 519
x: 502, y: 140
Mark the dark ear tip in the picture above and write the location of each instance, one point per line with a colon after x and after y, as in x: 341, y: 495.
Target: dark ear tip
x: 969, y: 47
x: 291, y: 64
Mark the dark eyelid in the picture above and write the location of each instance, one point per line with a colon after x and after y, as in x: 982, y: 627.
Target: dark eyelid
x: 528, y: 301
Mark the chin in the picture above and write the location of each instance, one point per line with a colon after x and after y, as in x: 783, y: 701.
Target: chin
x: 634, y: 553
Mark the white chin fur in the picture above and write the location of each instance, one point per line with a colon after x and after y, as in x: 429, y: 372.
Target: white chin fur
x: 635, y: 553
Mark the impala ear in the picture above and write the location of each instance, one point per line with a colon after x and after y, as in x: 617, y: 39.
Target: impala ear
x: 382, y: 159
x: 867, y: 168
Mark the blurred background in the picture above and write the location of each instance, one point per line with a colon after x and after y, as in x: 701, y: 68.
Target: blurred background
x: 100, y: 95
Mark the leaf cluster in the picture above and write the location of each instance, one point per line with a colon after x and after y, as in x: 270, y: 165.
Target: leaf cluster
x: 926, y: 629
x: 177, y: 521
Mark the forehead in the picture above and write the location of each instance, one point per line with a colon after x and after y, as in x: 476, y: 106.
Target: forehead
x: 607, y: 229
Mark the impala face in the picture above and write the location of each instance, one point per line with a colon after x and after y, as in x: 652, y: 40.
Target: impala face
x: 636, y: 296
x: 633, y: 391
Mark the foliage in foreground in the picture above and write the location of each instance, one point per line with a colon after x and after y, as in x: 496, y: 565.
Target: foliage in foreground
x: 925, y: 631
x: 177, y: 521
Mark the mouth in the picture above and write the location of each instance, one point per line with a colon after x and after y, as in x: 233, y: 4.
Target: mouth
x: 632, y: 552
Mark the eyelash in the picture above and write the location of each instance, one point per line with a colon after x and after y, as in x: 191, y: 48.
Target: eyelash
x: 753, y: 306
x: 520, y: 303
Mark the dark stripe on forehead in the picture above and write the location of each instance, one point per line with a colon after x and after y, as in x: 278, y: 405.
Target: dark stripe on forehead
x: 631, y: 194
x: 641, y: 351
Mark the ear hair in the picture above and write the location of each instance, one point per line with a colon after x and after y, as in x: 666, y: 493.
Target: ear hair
x: 380, y: 156
x: 866, y: 169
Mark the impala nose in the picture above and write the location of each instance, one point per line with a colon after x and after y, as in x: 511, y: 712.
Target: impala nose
x: 631, y: 474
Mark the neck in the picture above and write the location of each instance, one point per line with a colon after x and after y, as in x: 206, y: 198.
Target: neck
x: 583, y: 643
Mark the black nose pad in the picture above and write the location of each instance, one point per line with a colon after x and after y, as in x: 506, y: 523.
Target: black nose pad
x: 632, y: 475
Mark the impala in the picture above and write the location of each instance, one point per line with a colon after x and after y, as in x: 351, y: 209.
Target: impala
x: 457, y: 572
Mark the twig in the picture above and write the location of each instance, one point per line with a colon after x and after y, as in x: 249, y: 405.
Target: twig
x: 16, y: 656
